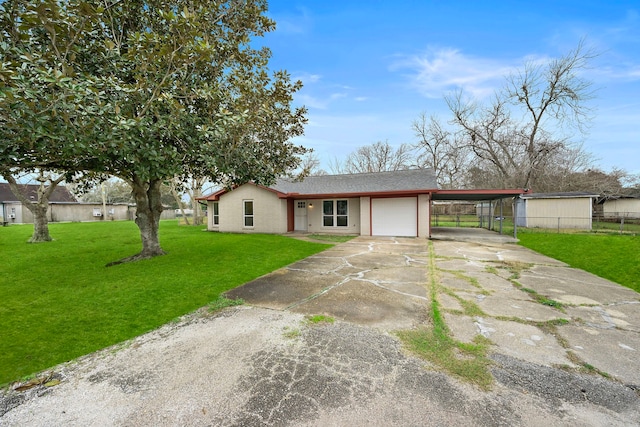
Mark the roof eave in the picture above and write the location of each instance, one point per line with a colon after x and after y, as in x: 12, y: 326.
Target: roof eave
x: 352, y: 195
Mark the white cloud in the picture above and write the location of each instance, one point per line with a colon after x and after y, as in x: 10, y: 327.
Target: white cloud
x: 312, y: 101
x: 307, y: 78
x: 437, y: 71
x: 321, y: 103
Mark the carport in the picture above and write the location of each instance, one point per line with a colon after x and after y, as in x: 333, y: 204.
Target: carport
x: 491, y: 196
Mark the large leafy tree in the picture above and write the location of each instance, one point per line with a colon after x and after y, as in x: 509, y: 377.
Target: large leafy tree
x: 145, y: 90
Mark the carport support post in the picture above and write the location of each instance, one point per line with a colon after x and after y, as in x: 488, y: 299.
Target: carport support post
x: 490, y: 219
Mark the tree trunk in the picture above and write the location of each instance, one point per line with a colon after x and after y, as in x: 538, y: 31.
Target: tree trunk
x: 148, y: 211
x: 176, y: 197
x: 39, y: 207
x: 196, y: 191
x: 40, y: 222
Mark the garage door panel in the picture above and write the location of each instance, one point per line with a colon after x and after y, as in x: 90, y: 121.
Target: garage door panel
x: 394, y: 216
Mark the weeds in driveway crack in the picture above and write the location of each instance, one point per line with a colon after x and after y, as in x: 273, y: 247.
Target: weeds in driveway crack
x: 544, y: 300
x: 467, y: 361
x: 472, y: 280
x: 469, y: 308
x: 584, y: 367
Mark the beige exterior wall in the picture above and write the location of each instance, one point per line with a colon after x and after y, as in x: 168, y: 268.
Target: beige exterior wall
x: 12, y: 209
x: 269, y: 211
x: 628, y: 208
x: 365, y: 216
x: 77, y: 212
x: 314, y: 217
x: 424, y: 215
x: 85, y: 212
x: 559, y: 213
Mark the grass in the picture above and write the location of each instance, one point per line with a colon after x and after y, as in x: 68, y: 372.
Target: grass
x: 627, y: 227
x: 319, y: 318
x: 58, y: 301
x: 223, y: 302
x: 613, y: 257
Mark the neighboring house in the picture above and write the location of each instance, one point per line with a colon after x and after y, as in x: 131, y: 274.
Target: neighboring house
x: 379, y: 204
x: 13, y: 211
x: 555, y: 210
x: 63, y: 206
x: 615, y: 207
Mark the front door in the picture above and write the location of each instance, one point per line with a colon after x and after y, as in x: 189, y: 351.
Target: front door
x: 300, y: 215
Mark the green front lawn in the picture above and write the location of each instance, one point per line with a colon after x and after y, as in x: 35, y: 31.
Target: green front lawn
x: 614, y: 257
x: 58, y: 301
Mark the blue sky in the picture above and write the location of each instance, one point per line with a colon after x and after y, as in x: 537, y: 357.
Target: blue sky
x: 370, y: 67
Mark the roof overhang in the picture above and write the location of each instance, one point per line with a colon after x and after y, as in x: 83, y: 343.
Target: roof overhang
x: 466, y: 195
x: 558, y: 196
x: 478, y: 195
x: 381, y: 194
x: 214, y: 197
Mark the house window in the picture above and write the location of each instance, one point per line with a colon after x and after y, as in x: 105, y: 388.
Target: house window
x: 216, y: 214
x: 327, y: 213
x: 342, y: 219
x: 302, y: 205
x: 248, y: 213
x: 335, y: 213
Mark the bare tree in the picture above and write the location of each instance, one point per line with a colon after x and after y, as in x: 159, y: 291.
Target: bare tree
x: 600, y: 182
x: 440, y: 150
x: 551, y: 99
x: 310, y: 165
x: 562, y: 169
x: 112, y: 190
x: 378, y: 157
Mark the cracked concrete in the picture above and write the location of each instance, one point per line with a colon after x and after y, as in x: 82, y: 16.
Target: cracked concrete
x: 599, y: 314
x: 262, y: 364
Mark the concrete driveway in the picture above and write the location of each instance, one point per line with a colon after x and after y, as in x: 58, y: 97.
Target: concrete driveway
x: 378, y: 282
x: 534, y: 308
x: 263, y: 364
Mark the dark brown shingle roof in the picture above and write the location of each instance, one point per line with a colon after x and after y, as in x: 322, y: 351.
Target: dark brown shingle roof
x: 30, y: 191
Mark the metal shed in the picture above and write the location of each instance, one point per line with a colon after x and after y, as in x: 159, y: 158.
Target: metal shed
x: 555, y: 210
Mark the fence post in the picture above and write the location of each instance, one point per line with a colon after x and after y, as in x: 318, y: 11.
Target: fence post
x: 514, y: 217
x: 558, y: 225
x: 501, y: 217
x: 621, y: 225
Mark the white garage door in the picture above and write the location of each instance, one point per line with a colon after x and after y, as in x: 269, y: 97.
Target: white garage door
x: 394, y: 217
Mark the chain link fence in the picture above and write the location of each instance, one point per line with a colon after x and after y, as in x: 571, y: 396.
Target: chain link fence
x: 623, y: 224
